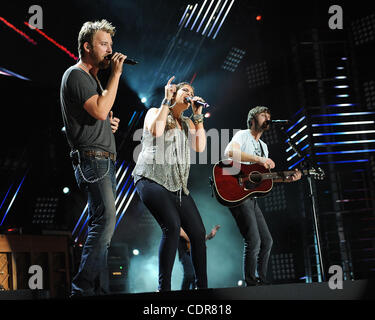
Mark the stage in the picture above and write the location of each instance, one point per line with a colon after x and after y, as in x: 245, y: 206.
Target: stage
x: 352, y: 290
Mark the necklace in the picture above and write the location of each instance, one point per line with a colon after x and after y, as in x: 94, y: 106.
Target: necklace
x: 256, y: 145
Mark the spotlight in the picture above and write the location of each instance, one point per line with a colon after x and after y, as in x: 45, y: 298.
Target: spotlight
x: 240, y: 283
x: 136, y: 252
x: 207, y: 115
x: 143, y: 100
x: 258, y: 17
x: 66, y: 190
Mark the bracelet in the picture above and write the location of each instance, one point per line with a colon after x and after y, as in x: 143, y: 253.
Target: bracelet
x: 166, y: 102
x: 198, y: 118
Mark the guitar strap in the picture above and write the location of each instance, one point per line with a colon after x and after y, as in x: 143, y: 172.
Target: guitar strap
x: 261, y: 150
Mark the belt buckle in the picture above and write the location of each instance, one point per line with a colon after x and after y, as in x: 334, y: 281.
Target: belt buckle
x: 98, y: 154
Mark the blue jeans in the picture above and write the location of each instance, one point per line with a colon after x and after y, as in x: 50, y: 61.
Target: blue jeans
x: 257, y: 239
x: 92, y: 277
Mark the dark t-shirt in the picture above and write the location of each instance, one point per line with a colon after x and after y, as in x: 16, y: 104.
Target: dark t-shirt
x: 83, y: 131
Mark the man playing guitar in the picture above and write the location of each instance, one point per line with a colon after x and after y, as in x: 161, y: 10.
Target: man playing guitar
x: 246, y: 147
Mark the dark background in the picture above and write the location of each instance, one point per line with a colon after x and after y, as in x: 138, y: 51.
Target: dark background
x: 33, y: 146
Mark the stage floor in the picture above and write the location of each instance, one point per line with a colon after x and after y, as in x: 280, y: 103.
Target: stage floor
x: 352, y: 290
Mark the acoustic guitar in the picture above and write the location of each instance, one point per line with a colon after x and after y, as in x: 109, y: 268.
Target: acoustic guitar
x: 235, y: 182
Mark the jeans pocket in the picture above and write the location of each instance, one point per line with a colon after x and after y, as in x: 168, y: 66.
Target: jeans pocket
x: 87, y: 170
x: 102, y: 166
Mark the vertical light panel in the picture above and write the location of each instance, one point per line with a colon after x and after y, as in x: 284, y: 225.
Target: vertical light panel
x: 199, y: 13
x: 205, y: 15
x: 131, y: 119
x: 222, y: 21
x: 210, y: 19
x: 191, y: 15
x: 218, y: 6
x: 12, y: 201
x: 126, y: 207
x: 218, y: 17
x: 6, y: 195
x: 183, y: 16
x: 79, y: 220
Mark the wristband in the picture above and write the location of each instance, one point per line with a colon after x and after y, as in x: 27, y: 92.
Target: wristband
x: 166, y: 102
x: 198, y: 118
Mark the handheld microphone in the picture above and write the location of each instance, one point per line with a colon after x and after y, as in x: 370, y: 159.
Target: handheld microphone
x: 198, y: 103
x: 126, y: 61
x: 277, y: 121
x: 280, y: 121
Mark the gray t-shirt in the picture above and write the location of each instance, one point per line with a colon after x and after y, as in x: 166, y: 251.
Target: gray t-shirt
x: 83, y: 131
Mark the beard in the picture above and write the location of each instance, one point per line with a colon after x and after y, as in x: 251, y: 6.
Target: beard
x: 104, y: 64
x: 100, y: 62
x: 265, y: 126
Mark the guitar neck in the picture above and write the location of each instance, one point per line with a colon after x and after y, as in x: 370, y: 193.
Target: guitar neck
x: 281, y: 175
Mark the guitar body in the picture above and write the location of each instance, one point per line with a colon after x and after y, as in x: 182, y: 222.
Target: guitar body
x: 235, y: 182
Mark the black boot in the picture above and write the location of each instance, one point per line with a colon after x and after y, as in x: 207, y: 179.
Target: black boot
x: 263, y: 282
x: 251, y: 282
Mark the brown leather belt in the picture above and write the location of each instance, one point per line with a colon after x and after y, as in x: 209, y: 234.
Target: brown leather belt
x: 101, y: 154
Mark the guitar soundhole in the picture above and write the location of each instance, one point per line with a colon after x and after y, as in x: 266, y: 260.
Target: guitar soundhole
x: 255, y: 177
x: 250, y: 185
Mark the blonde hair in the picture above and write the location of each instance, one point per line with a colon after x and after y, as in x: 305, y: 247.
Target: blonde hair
x: 88, y: 31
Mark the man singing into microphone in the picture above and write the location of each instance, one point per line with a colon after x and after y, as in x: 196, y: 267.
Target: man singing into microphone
x: 246, y: 147
x: 89, y: 124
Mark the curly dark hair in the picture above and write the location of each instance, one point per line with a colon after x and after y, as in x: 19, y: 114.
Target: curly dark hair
x: 179, y: 86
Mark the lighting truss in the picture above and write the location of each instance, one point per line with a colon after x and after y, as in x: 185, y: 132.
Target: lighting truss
x: 324, y: 138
